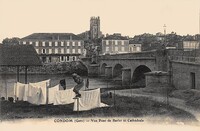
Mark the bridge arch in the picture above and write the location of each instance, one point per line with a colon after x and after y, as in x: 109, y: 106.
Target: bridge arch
x: 103, y: 67
x: 117, y: 70
x: 138, y: 74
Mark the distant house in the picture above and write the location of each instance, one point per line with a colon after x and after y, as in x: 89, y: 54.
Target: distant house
x: 190, y: 45
x: 55, y: 47
x: 114, y: 44
x: 135, y: 48
x: 160, y: 36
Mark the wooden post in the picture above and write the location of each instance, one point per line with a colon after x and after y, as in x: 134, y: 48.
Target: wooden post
x: 131, y: 89
x: 6, y: 95
x: 17, y: 73
x: 78, y: 105
x: 47, y: 93
x: 114, y: 96
x: 26, y: 70
x: 85, y: 84
x: 107, y: 83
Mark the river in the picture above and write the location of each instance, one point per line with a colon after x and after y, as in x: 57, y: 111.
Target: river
x: 9, y: 80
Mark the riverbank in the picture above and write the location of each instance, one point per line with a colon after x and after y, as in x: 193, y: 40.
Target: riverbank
x: 187, y: 100
x: 120, y: 106
x: 49, y: 68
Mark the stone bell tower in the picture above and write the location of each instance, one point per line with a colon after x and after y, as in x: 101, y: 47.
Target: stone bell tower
x: 95, y: 27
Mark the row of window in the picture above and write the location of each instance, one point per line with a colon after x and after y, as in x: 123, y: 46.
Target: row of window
x: 116, y: 42
x: 73, y: 43
x: 134, y: 49
x: 56, y: 51
x: 191, y: 45
x: 115, y: 49
x: 67, y: 58
x: 59, y: 59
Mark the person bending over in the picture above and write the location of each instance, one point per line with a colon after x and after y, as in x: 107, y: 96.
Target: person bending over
x: 80, y: 84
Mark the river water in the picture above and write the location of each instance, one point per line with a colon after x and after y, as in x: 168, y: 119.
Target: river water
x: 7, y: 82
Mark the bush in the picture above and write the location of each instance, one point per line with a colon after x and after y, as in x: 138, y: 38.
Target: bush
x: 53, y: 68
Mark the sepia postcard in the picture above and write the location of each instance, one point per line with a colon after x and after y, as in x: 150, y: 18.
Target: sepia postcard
x: 100, y: 65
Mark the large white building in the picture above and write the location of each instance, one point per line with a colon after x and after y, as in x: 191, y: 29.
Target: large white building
x: 115, y: 44
x: 56, y: 47
x: 190, y: 45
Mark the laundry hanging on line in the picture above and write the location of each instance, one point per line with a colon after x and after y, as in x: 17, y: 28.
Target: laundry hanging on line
x: 63, y: 97
x: 34, y: 95
x: 51, y: 94
x: 89, y: 100
x: 43, y: 85
x: 19, y: 89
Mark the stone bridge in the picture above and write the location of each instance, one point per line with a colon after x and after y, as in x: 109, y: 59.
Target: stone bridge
x: 129, y: 67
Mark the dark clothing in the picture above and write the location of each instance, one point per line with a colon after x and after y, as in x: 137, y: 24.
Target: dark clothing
x: 78, y: 87
x: 80, y: 84
x: 87, y: 83
x: 78, y: 79
x: 63, y: 83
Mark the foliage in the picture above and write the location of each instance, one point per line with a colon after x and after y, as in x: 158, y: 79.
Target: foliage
x: 151, y: 42
x: 14, y: 40
x: 52, y: 68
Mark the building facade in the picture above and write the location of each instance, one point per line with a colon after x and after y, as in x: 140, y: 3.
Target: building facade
x: 135, y: 48
x: 55, y: 47
x: 190, y: 45
x: 95, y: 27
x: 115, y: 44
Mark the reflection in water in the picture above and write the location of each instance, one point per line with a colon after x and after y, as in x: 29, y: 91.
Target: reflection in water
x: 9, y: 80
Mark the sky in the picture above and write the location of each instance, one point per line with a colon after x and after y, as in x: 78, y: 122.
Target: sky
x: 19, y: 18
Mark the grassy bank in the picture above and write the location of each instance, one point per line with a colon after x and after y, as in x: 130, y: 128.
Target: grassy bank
x: 191, y: 97
x: 49, y: 68
x: 124, y: 107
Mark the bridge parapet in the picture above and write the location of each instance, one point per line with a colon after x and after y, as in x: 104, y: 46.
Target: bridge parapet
x: 185, y: 59
x: 146, y: 54
x: 184, y: 56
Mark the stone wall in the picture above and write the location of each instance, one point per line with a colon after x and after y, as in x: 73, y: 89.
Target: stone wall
x: 157, y: 77
x: 181, y: 75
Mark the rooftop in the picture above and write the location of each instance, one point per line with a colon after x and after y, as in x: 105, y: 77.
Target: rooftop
x: 115, y: 37
x: 18, y: 55
x: 52, y: 36
x: 131, y: 41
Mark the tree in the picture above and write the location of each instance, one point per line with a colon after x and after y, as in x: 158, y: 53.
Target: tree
x: 14, y: 41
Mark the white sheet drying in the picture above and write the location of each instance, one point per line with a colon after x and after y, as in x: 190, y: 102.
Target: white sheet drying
x: 89, y: 100
x: 19, y: 89
x: 43, y: 85
x: 52, y: 92
x: 34, y: 95
x: 63, y: 97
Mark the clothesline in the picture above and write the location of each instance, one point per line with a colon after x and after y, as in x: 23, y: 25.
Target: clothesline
x: 40, y: 93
